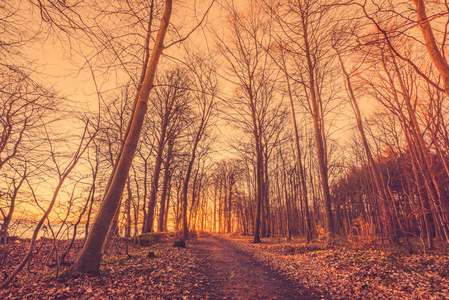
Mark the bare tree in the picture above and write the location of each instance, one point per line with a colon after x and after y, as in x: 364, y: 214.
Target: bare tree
x: 25, y: 108
x: 402, y: 13
x: 281, y: 51
x: 165, y: 196
x: 11, y: 194
x: 89, y: 258
x: 205, y: 90
x: 62, y: 177
x: 305, y: 26
x: 373, y: 167
x: 171, y: 100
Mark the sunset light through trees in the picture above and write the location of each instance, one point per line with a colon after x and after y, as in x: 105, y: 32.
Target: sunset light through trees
x: 270, y: 149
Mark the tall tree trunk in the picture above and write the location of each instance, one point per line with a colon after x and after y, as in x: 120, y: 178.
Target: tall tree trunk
x: 423, y: 157
x: 304, y: 196
x: 193, y: 201
x: 136, y: 206
x: 318, y: 125
x: 185, y: 188
x: 89, y: 259
x: 178, y: 212
x: 155, y: 182
x: 167, y: 209
x: 214, y: 216
x: 162, y: 210
x: 380, y: 187
x: 266, y: 206
x: 145, y: 193
x: 128, y: 208
x: 231, y: 185
x: 259, y: 191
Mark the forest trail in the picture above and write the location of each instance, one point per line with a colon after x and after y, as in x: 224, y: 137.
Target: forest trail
x: 223, y: 267
x: 234, y: 274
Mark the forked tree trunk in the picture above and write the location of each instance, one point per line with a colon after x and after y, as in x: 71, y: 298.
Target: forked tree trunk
x: 89, y: 259
x: 319, y: 137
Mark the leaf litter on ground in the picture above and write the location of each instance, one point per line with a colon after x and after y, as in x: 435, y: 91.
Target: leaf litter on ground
x: 347, y: 273
x: 174, y: 273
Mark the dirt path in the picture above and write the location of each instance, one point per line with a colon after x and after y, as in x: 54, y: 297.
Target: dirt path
x: 232, y: 274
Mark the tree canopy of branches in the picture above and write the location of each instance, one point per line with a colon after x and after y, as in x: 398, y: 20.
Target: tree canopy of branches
x: 301, y: 117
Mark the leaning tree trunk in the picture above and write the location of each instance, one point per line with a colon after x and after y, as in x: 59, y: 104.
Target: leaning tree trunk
x: 89, y: 259
x: 431, y: 45
x: 380, y: 187
x: 424, y: 159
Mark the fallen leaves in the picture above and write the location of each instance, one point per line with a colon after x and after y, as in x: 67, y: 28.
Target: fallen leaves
x: 167, y: 275
x: 343, y: 273
x: 178, y: 273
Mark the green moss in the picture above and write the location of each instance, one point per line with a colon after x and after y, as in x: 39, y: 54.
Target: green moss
x: 49, y: 276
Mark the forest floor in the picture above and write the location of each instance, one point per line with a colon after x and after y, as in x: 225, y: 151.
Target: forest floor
x: 230, y: 267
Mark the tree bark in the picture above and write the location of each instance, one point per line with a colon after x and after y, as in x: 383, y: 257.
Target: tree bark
x: 231, y: 185
x: 319, y: 138
x: 302, y: 178
x: 185, y: 187
x: 155, y: 183
x: 128, y: 208
x: 163, y: 211
x: 431, y: 45
x: 89, y: 259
